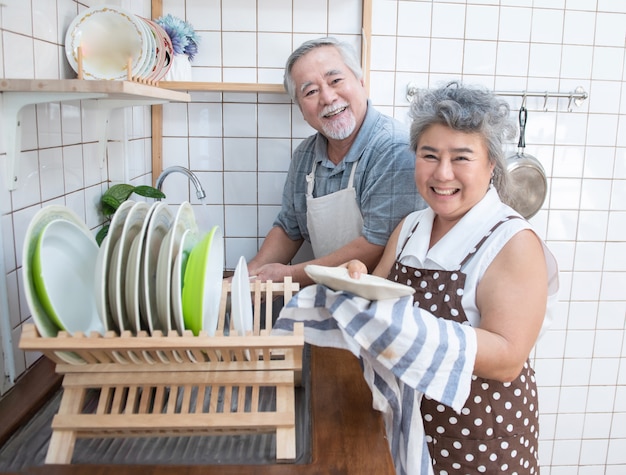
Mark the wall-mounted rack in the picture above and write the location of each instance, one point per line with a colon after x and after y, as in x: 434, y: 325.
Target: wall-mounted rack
x: 102, y: 96
x: 577, y: 96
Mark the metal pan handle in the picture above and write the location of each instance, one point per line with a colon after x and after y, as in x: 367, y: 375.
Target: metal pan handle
x: 523, y: 116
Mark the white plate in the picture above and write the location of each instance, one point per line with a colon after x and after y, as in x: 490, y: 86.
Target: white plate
x: 370, y: 287
x: 164, y: 281
x: 134, y: 271
x: 104, y: 262
x: 161, y: 52
x: 169, y: 53
x: 63, y: 272
x: 117, y: 280
x: 99, y: 287
x: 186, y: 244
x: 131, y: 294
x: 150, y: 57
x: 241, y: 299
x: 183, y: 221
x: 113, y: 280
x: 44, y: 325
x: 108, y: 36
x: 160, y: 223
x: 213, y: 282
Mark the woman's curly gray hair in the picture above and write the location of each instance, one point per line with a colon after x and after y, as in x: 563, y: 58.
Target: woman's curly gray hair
x: 471, y: 110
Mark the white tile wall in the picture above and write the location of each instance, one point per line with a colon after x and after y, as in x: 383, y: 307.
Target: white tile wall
x: 240, y: 144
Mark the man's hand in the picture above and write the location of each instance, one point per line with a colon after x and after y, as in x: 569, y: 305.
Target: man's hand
x: 274, y: 272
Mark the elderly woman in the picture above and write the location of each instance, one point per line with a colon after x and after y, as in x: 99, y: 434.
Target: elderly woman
x: 473, y: 259
x: 458, y: 348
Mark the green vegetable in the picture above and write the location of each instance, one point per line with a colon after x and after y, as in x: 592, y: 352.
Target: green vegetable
x: 102, y: 234
x: 120, y: 192
x: 148, y: 192
x: 111, y: 200
x: 109, y: 205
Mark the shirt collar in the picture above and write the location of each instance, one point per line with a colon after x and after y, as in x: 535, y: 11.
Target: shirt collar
x: 452, y: 248
x: 358, y: 147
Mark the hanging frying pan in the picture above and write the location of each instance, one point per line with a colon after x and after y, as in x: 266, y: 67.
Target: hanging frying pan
x: 529, y: 185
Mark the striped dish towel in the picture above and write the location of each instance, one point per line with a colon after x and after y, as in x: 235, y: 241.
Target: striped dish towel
x: 405, y: 352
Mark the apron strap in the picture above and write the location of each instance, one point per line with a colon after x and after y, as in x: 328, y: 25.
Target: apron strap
x: 310, y: 178
x: 473, y: 252
x: 406, y: 241
x: 352, y: 172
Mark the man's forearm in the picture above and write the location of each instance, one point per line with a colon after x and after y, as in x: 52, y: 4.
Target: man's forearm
x: 276, y: 248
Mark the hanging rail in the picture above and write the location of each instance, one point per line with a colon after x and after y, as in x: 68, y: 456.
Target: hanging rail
x: 577, y: 96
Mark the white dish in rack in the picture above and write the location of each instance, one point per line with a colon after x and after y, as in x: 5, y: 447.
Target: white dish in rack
x: 183, y: 221
x: 241, y: 299
x: 103, y: 264
x: 131, y: 294
x: 119, y: 266
x: 45, y: 326
x: 159, y: 224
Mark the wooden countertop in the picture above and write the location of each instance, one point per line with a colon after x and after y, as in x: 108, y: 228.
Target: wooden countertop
x: 348, y: 436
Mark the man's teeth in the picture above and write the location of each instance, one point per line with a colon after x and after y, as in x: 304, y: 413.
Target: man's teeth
x: 446, y: 191
x: 335, y: 112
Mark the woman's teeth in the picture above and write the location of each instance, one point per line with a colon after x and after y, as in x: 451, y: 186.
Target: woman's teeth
x: 445, y: 191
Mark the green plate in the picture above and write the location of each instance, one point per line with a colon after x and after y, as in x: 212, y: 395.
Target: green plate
x: 202, y: 283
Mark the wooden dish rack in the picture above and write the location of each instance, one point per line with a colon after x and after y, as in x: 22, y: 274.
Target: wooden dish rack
x: 172, y: 385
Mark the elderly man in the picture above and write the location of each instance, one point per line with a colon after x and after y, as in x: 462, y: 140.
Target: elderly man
x: 349, y: 184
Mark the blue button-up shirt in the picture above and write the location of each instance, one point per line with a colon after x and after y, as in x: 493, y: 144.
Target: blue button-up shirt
x: 384, y: 179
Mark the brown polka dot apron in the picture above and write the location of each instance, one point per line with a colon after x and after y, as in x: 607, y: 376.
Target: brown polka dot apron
x: 497, y: 430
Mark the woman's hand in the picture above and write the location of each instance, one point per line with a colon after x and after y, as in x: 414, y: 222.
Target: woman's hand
x: 355, y: 268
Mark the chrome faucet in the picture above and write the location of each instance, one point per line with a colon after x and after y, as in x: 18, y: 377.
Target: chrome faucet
x: 185, y: 171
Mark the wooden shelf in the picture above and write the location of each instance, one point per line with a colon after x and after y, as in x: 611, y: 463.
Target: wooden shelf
x: 120, y: 90
x: 102, y: 97
x: 223, y: 86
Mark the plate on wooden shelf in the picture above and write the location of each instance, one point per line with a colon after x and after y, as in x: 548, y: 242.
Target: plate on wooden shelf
x: 109, y: 37
x: 163, y: 53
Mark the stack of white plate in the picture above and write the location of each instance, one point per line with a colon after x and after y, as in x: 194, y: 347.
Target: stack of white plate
x: 110, y: 37
x: 154, y: 271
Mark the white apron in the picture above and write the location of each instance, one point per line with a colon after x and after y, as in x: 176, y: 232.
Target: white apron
x: 333, y: 220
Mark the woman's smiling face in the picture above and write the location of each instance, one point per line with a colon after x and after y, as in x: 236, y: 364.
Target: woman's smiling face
x: 452, y: 170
